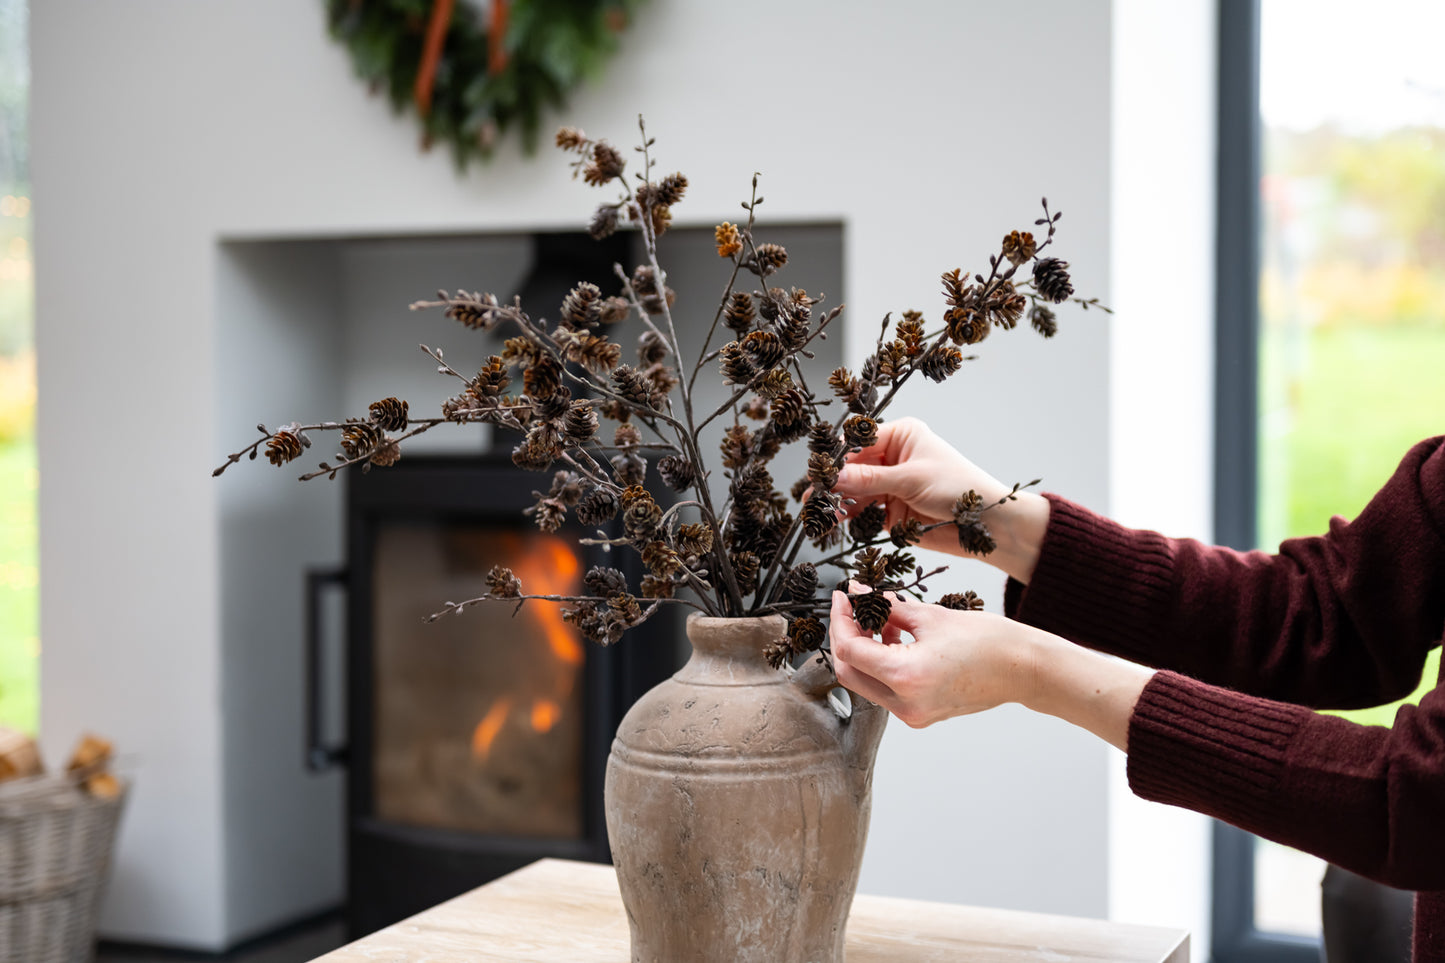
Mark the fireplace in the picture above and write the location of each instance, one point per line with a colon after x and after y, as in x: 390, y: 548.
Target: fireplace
x: 476, y: 743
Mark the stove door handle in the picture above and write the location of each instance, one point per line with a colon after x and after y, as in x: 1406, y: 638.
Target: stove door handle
x: 320, y: 756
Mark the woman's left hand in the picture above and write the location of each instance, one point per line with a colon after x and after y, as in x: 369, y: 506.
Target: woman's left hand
x: 965, y: 662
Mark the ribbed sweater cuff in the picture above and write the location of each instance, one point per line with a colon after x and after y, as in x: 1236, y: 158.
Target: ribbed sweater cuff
x: 1212, y: 750
x: 1097, y: 583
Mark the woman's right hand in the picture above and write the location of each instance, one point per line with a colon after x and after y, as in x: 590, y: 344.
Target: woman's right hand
x: 914, y: 473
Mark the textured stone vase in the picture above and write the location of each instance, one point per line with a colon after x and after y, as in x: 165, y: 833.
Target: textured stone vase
x: 737, y: 805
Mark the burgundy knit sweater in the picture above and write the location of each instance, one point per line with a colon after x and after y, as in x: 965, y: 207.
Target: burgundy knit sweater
x: 1251, y: 643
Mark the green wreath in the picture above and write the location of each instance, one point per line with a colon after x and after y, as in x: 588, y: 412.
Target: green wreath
x: 474, y: 70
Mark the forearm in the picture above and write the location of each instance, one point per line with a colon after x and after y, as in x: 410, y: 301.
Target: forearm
x: 1082, y: 687
x: 1018, y: 527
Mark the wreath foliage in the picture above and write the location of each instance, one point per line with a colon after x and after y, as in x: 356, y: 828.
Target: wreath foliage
x: 472, y: 71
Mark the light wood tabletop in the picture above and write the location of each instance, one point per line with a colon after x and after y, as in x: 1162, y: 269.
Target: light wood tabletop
x: 557, y: 910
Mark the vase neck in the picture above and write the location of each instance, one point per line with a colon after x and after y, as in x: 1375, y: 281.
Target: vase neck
x: 730, y: 651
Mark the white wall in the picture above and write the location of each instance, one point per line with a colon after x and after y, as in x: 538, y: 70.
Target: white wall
x: 1161, y: 393
x: 162, y: 127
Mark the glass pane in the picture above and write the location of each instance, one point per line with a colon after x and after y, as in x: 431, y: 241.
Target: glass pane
x: 479, y: 719
x: 1352, y: 290
x: 19, y: 481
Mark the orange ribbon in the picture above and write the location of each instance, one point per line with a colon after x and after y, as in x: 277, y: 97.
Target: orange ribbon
x: 436, y: 35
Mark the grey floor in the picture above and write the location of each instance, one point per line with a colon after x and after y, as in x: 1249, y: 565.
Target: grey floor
x: 299, y: 946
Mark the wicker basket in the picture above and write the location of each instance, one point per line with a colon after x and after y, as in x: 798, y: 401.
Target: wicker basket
x: 55, y: 844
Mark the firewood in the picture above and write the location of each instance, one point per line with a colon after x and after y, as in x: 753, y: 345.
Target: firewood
x: 19, y: 755
x: 92, y: 753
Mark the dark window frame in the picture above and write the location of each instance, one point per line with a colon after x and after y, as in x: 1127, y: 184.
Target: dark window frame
x: 1235, y: 937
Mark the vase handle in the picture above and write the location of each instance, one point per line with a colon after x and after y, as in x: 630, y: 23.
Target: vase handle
x: 818, y: 681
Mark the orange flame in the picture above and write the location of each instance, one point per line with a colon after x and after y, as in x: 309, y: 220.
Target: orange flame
x: 486, y: 731
x: 544, y: 714
x: 552, y: 570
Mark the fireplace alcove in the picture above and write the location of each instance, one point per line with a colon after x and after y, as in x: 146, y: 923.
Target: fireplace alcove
x: 315, y: 329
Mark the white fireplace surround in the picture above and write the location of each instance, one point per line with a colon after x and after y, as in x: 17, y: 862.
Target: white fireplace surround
x: 168, y: 137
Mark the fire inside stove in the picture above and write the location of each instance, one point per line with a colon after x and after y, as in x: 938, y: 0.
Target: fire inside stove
x: 479, y: 716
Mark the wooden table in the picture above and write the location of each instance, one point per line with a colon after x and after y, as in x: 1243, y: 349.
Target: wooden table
x: 556, y: 910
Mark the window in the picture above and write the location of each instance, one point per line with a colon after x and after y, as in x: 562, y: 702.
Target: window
x: 1332, y: 323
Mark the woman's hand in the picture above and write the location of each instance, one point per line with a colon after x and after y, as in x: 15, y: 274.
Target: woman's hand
x: 966, y: 662
x: 914, y: 473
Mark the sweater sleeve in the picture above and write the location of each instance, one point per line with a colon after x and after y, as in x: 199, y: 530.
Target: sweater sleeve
x: 1341, y: 620
x: 1366, y: 798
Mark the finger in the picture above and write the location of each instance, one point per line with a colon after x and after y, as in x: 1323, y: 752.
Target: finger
x: 860, y: 479
x: 865, y: 685
x: 908, y: 616
x: 859, y: 650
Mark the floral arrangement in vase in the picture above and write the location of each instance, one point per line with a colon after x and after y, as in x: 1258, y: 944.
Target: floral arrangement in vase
x: 598, y: 417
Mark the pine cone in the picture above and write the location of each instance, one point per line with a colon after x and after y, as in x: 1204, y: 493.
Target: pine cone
x: 1044, y: 321
x: 967, y: 602
x: 765, y: 348
x: 491, y: 380
x: 582, y: 307
x: 737, y: 446
x: 745, y: 570
x: 629, y: 468
x: 770, y: 257
x: 548, y: 513
x: 694, y: 539
x: 965, y: 325
x: 580, y: 425
x: 502, y: 583
x: 471, y: 310
x: 868, y: 524
x: 630, y: 385
x: 604, y: 222
x: 1006, y: 306
x: 571, y: 138
x: 974, y: 537
x: 676, y: 472
x: 729, y: 241
x: 871, y: 611
x: 660, y: 559
x: 806, y: 634
x: 604, y: 582
x: 869, y: 567
x: 1019, y: 246
x: 906, y: 532
x: 1051, y: 279
x: 597, y: 507
x: 651, y: 348
x: 626, y: 607
x: 543, y: 378
x: 740, y: 314
x: 389, y: 414
x: 778, y: 653
x: 821, y: 440
x: 641, y: 519
x: 819, y: 515
x: 801, y: 582
x: 605, y: 165
x: 656, y: 588
x: 670, y: 191
x: 644, y: 285
x: 860, y: 431
x: 790, y: 407
x: 822, y: 470
x: 385, y: 455
x: 554, y: 406
x: 358, y: 438
x: 940, y: 362
x: 614, y: 309
x: 282, y: 447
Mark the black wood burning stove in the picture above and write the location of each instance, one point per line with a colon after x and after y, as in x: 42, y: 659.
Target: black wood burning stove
x: 477, y: 743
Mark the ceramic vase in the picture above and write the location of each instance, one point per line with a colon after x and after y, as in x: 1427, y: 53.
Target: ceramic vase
x: 737, y: 801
